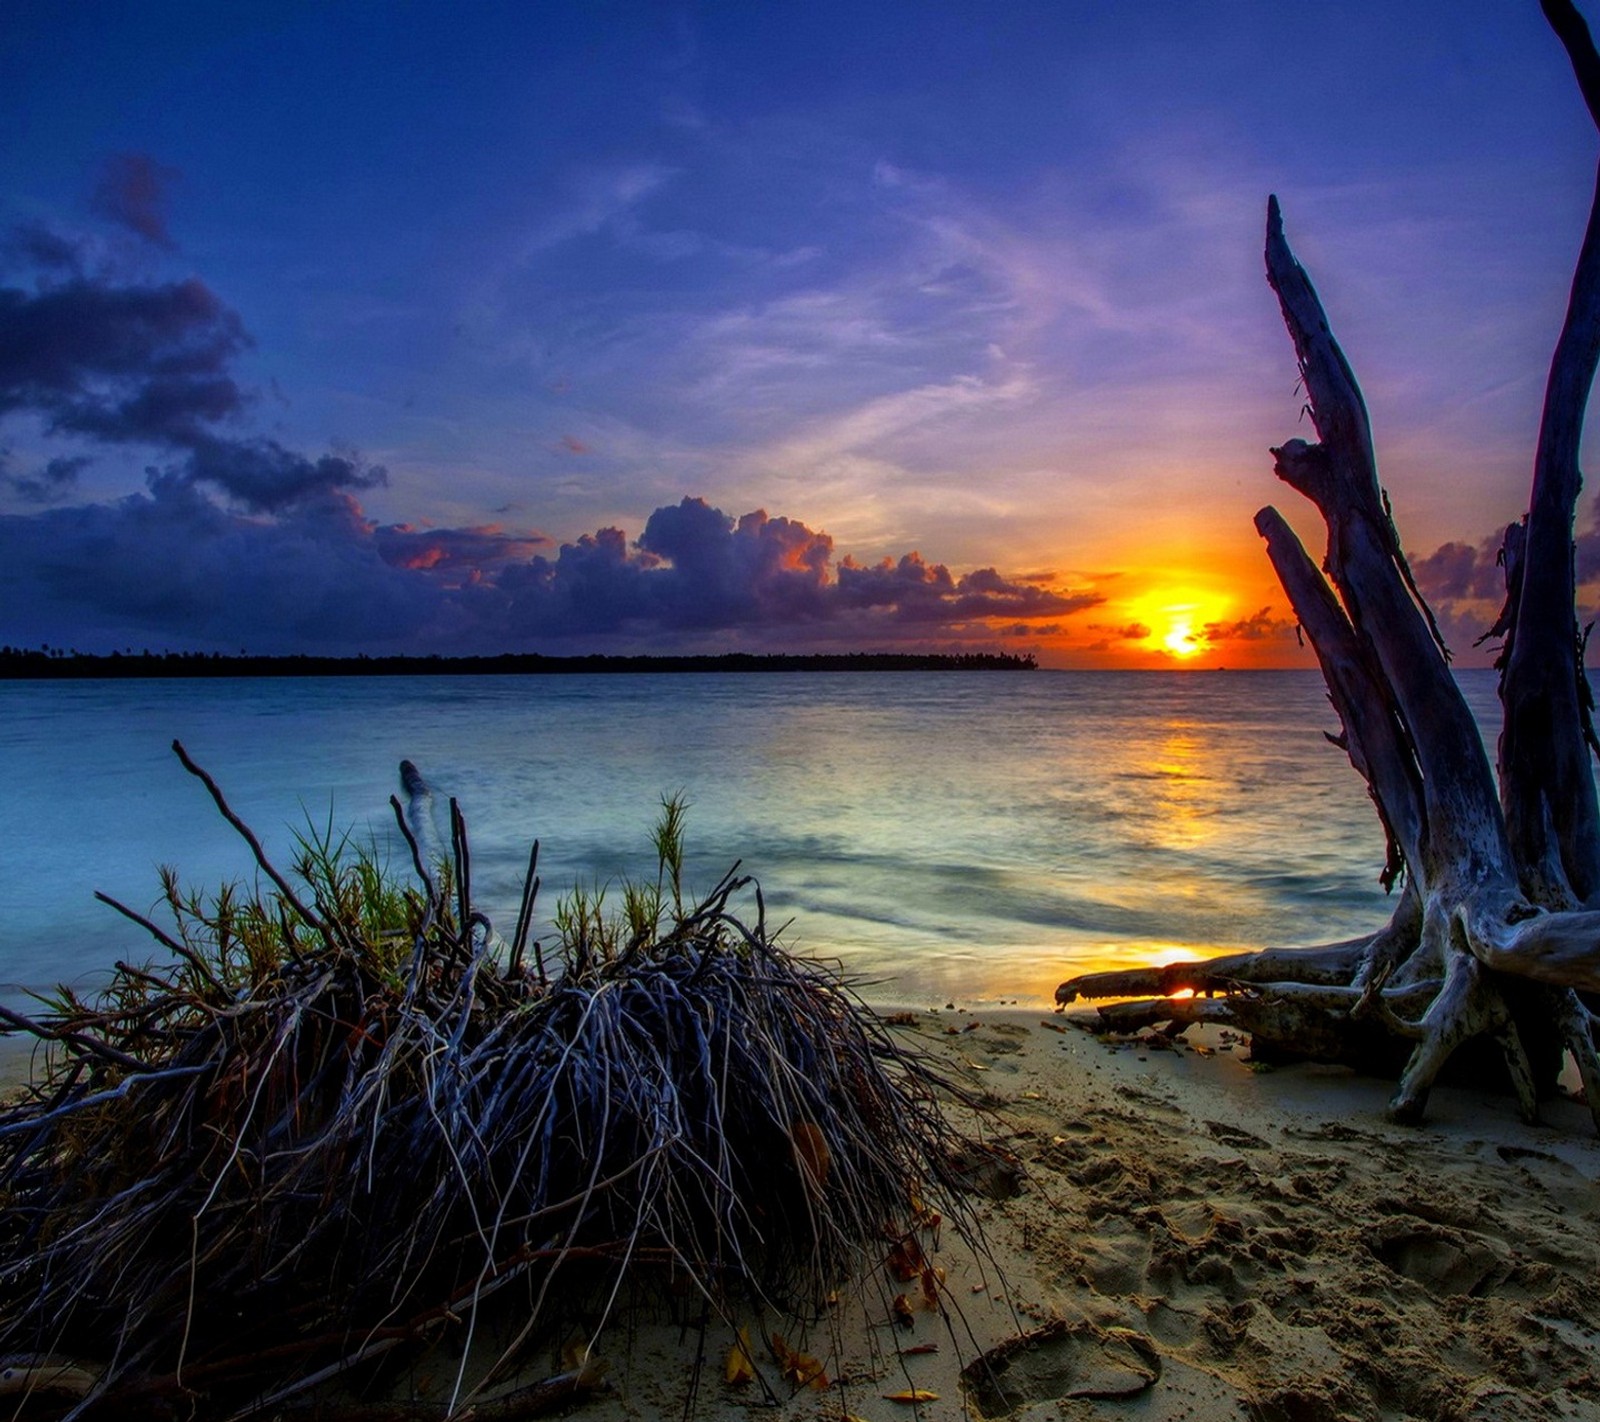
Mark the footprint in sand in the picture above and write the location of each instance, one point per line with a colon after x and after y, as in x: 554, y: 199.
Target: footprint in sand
x: 1061, y: 1360
x: 1447, y: 1263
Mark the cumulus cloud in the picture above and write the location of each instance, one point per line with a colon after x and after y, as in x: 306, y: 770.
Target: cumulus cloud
x: 1464, y: 582
x: 171, y: 565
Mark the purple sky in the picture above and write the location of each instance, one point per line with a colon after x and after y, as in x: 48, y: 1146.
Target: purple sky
x: 580, y: 327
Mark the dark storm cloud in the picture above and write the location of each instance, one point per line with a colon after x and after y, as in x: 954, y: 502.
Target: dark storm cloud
x: 132, y: 190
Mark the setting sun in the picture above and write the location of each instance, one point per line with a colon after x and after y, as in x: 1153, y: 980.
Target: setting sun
x: 1180, y: 639
x: 1182, y: 623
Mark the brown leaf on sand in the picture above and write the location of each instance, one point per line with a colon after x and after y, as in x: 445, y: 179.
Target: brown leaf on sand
x: 906, y: 1260
x: 798, y: 1368
x: 912, y: 1394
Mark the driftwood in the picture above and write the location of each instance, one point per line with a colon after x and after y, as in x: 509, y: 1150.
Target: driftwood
x: 1496, y: 935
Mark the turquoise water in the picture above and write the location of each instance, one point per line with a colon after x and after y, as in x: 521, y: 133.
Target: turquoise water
x: 969, y: 837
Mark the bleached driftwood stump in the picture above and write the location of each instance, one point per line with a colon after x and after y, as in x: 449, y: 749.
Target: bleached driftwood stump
x: 1496, y: 931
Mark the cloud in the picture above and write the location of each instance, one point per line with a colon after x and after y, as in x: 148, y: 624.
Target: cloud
x: 55, y: 480
x: 598, y: 200
x: 1587, y: 547
x: 470, y: 554
x: 264, y: 477
x: 119, y: 362
x: 37, y: 246
x: 171, y: 566
x: 239, y: 540
x: 1454, y: 571
x: 132, y: 190
x: 148, y: 364
x: 1261, y: 626
x: 913, y: 591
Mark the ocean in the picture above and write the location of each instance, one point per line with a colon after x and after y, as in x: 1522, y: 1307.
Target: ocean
x: 946, y: 837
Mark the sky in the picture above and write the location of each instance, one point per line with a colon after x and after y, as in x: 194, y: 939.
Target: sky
x: 880, y: 325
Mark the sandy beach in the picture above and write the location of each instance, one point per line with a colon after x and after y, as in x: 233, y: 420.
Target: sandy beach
x: 1188, y: 1236
x: 1199, y: 1238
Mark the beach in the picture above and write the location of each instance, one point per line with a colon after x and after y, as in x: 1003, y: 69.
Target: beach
x: 1196, y: 1237
x: 1167, y: 1231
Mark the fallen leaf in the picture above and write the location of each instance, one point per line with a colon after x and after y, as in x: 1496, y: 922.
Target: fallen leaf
x: 902, y: 1311
x: 799, y: 1368
x: 906, y: 1261
x: 740, y: 1367
x: 912, y: 1394
x: 917, y: 1349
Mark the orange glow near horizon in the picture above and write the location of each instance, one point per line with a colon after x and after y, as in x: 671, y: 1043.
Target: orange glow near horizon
x: 1202, y: 610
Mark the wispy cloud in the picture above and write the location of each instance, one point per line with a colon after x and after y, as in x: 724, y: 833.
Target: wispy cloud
x: 595, y: 200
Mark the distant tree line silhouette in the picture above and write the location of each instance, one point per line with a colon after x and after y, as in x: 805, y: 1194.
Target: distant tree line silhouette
x: 49, y: 663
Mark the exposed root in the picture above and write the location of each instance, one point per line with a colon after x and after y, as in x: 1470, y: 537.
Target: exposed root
x: 346, y: 1115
